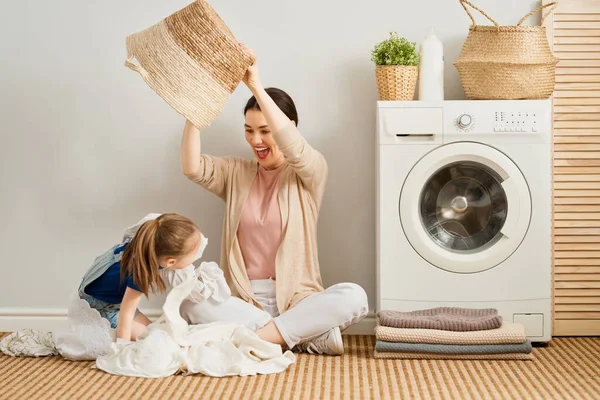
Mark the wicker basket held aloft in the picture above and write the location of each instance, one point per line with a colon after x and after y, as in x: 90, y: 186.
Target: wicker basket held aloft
x: 190, y: 59
x: 507, y: 62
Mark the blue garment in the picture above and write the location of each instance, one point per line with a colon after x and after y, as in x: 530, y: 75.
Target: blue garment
x: 106, y: 310
x: 108, y: 287
x: 101, y: 264
x: 105, y: 285
x: 105, y: 275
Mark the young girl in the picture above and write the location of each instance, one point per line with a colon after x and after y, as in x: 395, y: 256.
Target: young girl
x: 116, y: 281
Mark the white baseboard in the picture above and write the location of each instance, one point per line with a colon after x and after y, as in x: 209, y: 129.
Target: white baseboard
x: 364, y: 327
x: 43, y: 319
x: 48, y: 319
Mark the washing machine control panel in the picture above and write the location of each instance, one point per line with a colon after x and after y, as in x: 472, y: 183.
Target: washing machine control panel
x: 516, y: 121
x: 423, y: 122
x: 487, y: 117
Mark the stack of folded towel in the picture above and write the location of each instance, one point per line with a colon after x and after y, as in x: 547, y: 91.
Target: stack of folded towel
x: 450, y: 333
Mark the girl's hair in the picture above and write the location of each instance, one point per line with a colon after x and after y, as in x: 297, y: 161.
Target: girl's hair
x: 167, y: 235
x: 281, y: 98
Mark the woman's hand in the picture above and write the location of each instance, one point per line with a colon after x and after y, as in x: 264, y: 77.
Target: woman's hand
x: 252, y: 77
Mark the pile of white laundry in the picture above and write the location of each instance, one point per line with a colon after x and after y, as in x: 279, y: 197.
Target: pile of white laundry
x: 170, y: 345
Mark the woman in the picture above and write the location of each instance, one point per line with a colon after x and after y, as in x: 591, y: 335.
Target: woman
x: 269, y: 241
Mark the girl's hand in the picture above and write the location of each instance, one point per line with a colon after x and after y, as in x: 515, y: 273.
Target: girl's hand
x: 125, y: 322
x: 252, y: 77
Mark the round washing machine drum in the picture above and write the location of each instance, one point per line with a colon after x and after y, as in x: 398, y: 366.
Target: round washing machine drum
x: 465, y: 207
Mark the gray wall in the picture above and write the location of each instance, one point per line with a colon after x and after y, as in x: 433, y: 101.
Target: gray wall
x: 87, y: 148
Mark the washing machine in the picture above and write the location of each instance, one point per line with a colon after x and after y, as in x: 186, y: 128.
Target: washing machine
x: 464, y: 208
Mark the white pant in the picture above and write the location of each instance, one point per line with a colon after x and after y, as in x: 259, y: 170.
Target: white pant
x: 340, y: 305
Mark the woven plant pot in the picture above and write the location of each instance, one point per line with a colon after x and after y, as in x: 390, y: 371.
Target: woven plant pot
x: 190, y: 59
x: 507, y: 62
x: 396, y: 82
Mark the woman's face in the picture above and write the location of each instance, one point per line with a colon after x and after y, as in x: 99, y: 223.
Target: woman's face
x: 260, y: 139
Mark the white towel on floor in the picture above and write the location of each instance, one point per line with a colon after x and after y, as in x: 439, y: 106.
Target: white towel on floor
x: 87, y: 335
x: 171, y: 345
x: 28, y: 343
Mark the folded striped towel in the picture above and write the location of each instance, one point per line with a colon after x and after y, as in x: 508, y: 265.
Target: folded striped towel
x: 509, y: 332
x: 524, y: 347
x: 444, y: 318
x: 433, y: 356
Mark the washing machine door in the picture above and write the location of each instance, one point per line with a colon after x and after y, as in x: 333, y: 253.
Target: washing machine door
x: 465, y: 207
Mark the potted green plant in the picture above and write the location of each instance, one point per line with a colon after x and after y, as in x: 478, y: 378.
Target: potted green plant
x: 396, y: 60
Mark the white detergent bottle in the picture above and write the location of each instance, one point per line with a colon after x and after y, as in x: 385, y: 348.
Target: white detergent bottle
x: 431, y: 68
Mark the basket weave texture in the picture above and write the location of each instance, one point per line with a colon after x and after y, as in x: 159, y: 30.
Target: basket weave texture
x: 507, y: 62
x: 396, y: 82
x: 192, y: 60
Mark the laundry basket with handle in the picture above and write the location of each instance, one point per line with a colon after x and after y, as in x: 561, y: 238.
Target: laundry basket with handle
x: 507, y: 62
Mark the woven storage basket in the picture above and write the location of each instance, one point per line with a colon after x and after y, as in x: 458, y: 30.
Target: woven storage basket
x: 396, y: 82
x: 190, y: 59
x: 507, y: 62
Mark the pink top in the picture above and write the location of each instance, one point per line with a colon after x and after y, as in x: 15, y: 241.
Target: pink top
x: 259, y: 232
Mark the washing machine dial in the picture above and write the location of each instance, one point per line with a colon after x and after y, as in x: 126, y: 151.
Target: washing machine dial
x: 464, y: 121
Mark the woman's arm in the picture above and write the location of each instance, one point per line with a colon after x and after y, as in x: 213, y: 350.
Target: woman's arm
x: 190, y: 149
x: 131, y: 299
x: 208, y: 171
x: 276, y: 119
x: 309, y: 164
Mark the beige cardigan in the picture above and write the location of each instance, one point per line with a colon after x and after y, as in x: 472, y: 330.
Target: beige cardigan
x: 301, y: 187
